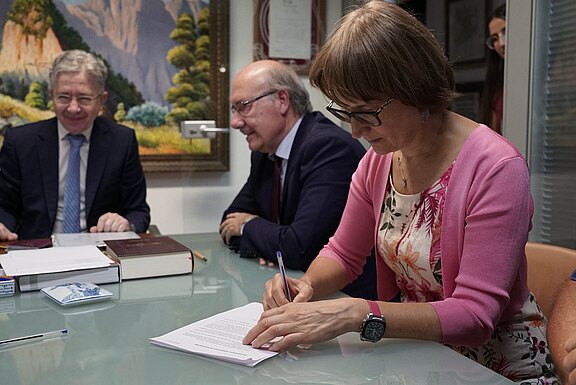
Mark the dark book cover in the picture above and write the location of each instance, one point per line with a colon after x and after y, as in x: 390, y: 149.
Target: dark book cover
x: 126, y: 248
x: 25, y: 244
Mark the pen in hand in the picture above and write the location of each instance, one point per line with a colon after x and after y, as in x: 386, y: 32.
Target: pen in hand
x: 283, y: 272
x: 33, y: 338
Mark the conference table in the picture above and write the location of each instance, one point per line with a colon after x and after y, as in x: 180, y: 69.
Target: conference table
x: 108, y: 342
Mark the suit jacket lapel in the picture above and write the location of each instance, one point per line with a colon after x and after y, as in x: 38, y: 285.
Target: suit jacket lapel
x: 303, y: 130
x: 47, y: 146
x: 100, y: 147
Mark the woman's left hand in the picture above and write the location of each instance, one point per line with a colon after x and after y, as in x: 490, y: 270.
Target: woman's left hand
x: 306, y: 323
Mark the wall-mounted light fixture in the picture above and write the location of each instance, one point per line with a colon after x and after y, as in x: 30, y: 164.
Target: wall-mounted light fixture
x: 191, y: 129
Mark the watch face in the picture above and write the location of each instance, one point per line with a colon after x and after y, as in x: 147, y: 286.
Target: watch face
x: 374, y: 330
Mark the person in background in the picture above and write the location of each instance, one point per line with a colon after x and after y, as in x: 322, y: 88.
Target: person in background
x: 444, y: 201
x: 492, y: 101
x: 562, y: 332
x: 315, y: 160
x: 108, y: 192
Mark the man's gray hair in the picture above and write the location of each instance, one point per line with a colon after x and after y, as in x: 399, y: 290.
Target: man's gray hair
x: 75, y: 61
x: 285, y: 78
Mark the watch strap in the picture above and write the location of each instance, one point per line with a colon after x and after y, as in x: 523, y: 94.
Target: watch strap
x: 374, y: 308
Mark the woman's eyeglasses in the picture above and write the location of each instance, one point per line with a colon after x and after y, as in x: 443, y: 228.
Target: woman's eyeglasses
x: 493, y: 39
x: 370, y: 118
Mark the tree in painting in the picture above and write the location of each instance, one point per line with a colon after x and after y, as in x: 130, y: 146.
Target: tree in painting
x: 35, y: 97
x: 190, y: 93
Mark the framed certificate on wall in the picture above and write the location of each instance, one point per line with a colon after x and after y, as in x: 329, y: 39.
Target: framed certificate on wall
x: 289, y: 31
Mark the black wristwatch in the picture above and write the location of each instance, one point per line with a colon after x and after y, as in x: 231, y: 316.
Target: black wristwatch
x: 374, y: 325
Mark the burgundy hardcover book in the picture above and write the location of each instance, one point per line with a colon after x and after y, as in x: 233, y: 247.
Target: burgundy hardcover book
x: 150, y: 257
x: 26, y: 244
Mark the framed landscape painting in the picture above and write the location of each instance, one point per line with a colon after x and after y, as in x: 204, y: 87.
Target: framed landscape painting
x: 167, y: 60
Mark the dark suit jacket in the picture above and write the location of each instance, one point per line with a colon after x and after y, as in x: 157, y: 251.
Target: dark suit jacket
x: 29, y: 177
x: 322, y: 160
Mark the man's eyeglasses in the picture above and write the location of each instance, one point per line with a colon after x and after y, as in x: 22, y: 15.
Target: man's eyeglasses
x: 370, y: 118
x: 493, y: 39
x: 243, y: 106
x: 83, y: 100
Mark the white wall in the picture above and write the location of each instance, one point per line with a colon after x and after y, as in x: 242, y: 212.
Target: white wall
x: 194, y: 202
x: 517, y: 73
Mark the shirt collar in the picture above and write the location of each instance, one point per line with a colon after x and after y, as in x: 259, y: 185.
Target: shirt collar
x: 62, y: 132
x: 283, y: 150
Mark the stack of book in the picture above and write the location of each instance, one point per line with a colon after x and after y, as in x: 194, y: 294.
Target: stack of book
x: 130, y: 258
x: 39, y: 268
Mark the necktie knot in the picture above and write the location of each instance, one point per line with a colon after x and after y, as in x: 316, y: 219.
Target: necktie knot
x: 75, y: 140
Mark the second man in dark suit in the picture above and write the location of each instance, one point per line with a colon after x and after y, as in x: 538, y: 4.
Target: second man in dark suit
x: 271, y: 106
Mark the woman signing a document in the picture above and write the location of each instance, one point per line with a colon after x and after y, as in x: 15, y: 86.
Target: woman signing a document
x: 444, y: 200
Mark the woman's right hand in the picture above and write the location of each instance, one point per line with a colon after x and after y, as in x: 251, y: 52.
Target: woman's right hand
x: 274, y: 295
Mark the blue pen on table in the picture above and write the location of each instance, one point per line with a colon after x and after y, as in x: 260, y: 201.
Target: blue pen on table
x: 283, y: 272
x: 34, y: 337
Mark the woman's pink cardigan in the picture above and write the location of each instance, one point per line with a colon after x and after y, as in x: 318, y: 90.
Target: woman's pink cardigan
x: 485, y: 227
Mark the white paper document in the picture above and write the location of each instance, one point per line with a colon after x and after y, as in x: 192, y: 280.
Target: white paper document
x: 52, y: 259
x: 96, y: 239
x: 219, y: 337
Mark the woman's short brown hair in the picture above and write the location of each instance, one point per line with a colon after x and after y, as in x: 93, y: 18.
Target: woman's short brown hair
x: 379, y: 51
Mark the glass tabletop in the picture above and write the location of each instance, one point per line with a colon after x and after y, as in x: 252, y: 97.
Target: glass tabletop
x: 108, y: 342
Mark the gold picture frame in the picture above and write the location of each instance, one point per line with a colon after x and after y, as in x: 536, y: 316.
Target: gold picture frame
x: 218, y: 157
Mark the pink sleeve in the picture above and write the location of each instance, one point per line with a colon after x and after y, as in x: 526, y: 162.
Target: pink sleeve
x: 354, y: 238
x: 484, y: 232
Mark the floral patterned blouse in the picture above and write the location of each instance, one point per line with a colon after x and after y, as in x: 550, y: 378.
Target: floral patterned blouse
x: 409, y: 241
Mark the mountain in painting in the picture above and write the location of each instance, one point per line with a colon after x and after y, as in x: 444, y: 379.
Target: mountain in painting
x: 133, y: 36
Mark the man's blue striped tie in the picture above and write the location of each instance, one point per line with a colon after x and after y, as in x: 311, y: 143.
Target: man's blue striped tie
x: 71, y: 223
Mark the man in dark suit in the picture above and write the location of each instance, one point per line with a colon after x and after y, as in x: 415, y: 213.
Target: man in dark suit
x: 34, y: 162
x: 271, y: 106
